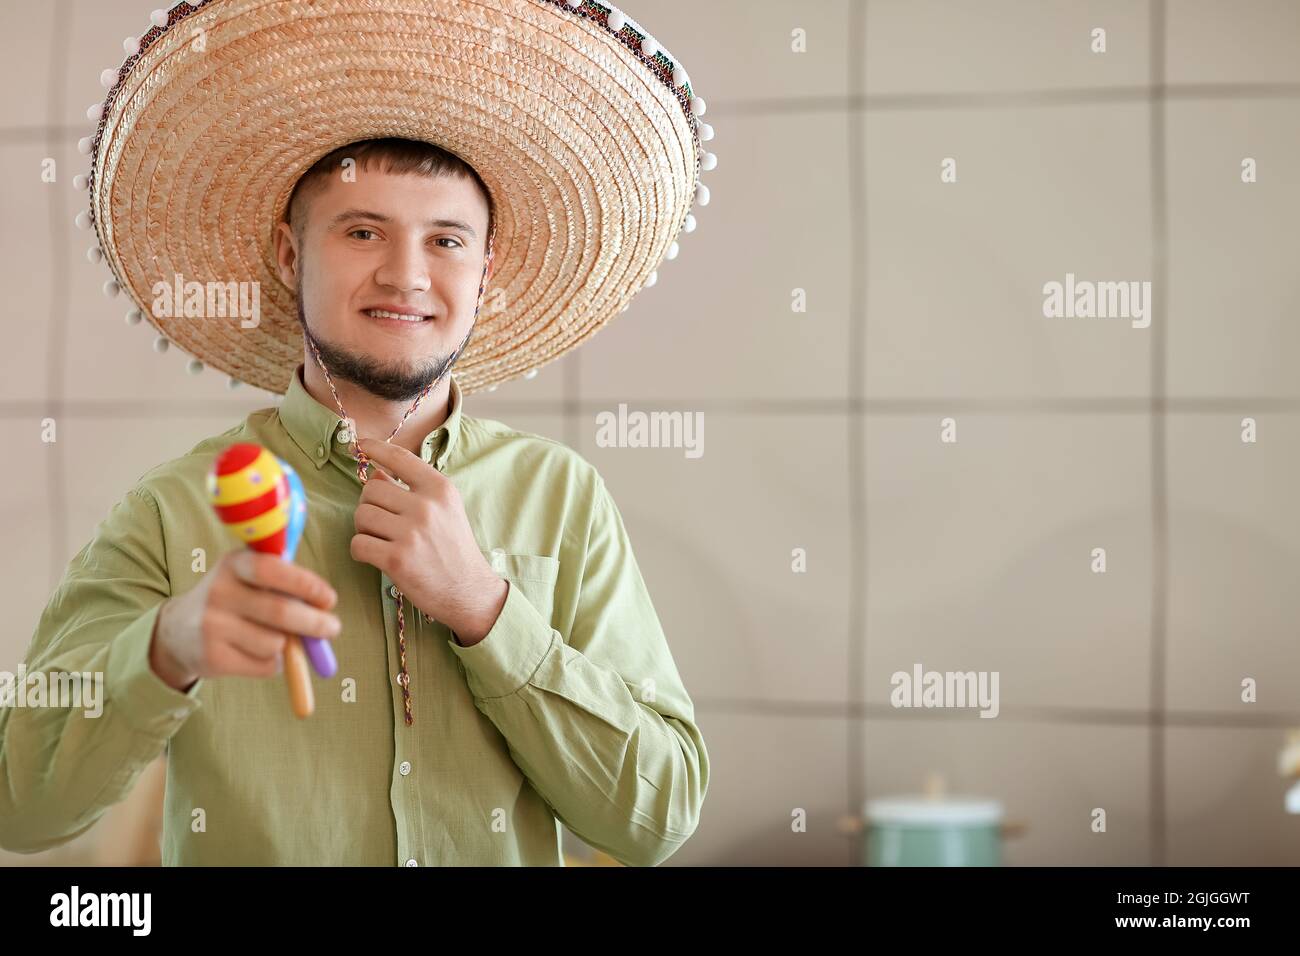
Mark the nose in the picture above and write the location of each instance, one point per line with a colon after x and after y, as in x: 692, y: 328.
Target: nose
x: 404, y: 267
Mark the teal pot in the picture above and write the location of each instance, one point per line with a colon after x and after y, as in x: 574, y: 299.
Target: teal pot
x: 924, y: 831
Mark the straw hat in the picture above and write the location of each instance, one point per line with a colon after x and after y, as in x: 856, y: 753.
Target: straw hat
x: 585, y: 131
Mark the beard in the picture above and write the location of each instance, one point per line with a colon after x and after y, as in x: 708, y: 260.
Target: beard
x: 393, y: 383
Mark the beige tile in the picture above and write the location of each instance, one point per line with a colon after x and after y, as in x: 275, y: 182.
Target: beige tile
x: 106, y: 457
x: 94, y: 32
x: 27, y: 265
x: 720, y: 323
x: 1233, y: 292
x: 1048, y: 777
x: 27, y: 561
x: 955, y: 271
x: 28, y: 29
x: 762, y: 768
x: 1233, y: 528
x: 722, y: 43
x: 1257, y: 41
x: 979, y: 555
x: 718, y: 42
x: 106, y: 359
x: 1225, y: 798
x: 550, y: 385
x: 951, y: 46
x: 714, y: 536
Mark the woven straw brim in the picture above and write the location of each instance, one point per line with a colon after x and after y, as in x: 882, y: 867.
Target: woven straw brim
x: 591, y: 157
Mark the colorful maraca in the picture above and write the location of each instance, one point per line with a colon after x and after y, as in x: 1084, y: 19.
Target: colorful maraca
x: 261, y: 500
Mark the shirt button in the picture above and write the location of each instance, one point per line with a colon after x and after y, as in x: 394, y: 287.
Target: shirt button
x: 411, y: 862
x: 320, y: 450
x: 404, y: 767
x: 392, y: 591
x: 178, y: 715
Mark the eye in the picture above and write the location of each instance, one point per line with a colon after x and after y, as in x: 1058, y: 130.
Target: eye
x: 355, y: 231
x: 449, y: 239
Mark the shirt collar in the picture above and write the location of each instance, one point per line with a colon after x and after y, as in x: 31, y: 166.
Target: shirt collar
x: 317, y: 429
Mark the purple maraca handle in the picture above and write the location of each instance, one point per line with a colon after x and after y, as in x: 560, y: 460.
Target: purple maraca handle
x: 321, y: 655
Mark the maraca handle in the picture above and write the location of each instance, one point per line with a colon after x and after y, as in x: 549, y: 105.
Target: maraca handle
x: 321, y: 655
x: 298, y: 678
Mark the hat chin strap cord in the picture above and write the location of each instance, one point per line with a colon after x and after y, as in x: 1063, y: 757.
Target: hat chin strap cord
x: 363, y: 462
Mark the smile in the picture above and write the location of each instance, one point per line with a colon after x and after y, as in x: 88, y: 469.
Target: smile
x: 387, y: 316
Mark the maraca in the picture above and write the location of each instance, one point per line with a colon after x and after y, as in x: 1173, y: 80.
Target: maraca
x: 261, y: 500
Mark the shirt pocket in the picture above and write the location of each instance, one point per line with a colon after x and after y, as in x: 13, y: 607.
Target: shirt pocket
x: 533, y: 574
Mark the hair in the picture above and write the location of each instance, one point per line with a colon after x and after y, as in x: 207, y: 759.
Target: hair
x: 391, y: 155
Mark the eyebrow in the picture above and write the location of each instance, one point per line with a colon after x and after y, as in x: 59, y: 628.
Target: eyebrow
x: 380, y: 217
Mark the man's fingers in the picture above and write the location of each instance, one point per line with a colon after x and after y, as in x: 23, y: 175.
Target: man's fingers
x: 256, y: 641
x: 230, y: 659
x: 374, y: 520
x: 269, y: 572
x: 368, y: 549
x: 287, y: 615
x: 400, y: 463
x: 387, y: 495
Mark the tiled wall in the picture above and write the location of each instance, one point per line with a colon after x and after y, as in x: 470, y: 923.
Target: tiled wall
x: 1119, y: 690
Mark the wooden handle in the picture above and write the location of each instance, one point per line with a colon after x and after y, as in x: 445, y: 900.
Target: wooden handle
x: 297, y: 675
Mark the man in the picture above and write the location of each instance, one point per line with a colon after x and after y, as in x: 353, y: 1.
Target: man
x: 501, y: 668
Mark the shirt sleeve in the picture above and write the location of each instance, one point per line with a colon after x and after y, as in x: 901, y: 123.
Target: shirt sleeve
x: 64, y: 763
x: 600, y: 724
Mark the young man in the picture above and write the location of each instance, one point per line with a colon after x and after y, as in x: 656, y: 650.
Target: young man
x: 501, y: 668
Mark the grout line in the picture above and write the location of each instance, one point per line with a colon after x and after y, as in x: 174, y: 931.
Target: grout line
x: 1087, y: 716
x: 1159, y: 445
x: 47, y: 134
x: 56, y: 354
x: 882, y: 102
x: 998, y: 99
x: 856, y: 771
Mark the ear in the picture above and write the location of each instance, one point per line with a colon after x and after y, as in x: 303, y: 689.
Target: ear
x: 286, y: 254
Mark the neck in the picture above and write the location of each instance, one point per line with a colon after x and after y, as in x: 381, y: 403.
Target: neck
x: 376, y: 417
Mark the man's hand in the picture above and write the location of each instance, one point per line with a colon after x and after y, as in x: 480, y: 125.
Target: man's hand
x: 420, y: 537
x: 237, y: 619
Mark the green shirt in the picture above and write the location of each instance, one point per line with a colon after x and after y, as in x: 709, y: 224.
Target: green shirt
x: 570, y: 710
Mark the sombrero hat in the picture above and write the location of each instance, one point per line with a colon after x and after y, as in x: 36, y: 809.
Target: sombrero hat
x: 584, y: 129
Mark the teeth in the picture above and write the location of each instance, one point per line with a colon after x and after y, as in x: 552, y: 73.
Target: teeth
x: 382, y: 314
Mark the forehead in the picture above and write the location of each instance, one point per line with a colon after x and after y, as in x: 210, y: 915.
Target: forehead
x: 403, y: 196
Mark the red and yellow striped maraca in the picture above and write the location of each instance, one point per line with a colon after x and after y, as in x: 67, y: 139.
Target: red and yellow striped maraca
x: 251, y: 495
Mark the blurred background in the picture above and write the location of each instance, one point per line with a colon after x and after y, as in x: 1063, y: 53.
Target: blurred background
x: 828, y: 536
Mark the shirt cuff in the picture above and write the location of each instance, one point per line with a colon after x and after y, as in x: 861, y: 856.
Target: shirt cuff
x: 514, y: 648
x: 148, y: 703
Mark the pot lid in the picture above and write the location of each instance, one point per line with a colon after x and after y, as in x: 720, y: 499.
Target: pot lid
x: 918, y: 810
